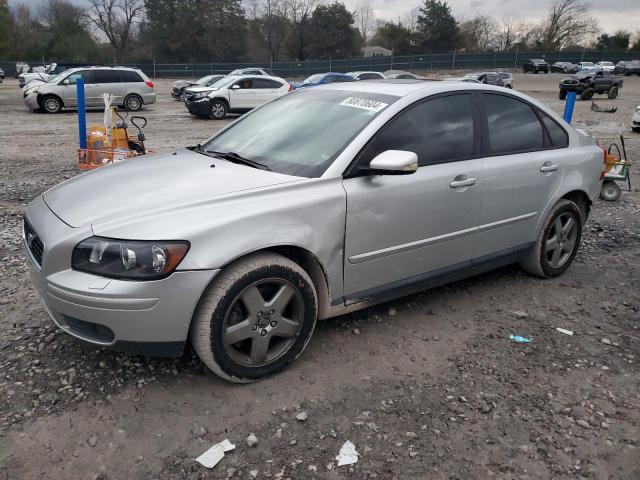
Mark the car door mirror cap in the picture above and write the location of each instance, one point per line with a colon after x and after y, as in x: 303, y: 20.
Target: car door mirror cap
x: 394, y: 162
x: 235, y: 87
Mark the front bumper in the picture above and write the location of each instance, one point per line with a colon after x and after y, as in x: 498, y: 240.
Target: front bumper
x: 149, y: 318
x: 635, y: 120
x: 200, y: 107
x: 31, y: 101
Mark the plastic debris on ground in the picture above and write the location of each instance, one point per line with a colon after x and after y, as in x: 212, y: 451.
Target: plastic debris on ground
x: 597, y: 108
x: 565, y: 331
x: 519, y: 339
x: 348, y: 454
x: 211, y: 457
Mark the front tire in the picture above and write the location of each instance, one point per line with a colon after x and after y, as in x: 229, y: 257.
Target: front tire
x: 562, y: 95
x: 255, y: 318
x: 587, y: 94
x: 218, y: 110
x: 51, y: 104
x: 557, y: 243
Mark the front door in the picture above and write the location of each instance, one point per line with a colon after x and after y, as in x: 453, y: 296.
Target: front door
x: 400, y: 228
x: 242, y: 95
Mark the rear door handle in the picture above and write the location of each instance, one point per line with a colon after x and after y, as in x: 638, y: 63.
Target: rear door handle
x: 548, y: 167
x: 463, y: 181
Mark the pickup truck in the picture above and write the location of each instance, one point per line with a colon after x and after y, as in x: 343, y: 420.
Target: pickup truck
x: 587, y: 83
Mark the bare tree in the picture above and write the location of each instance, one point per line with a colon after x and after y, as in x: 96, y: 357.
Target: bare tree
x: 567, y: 24
x: 271, y: 22
x: 116, y: 20
x: 479, y: 33
x: 363, y: 15
x: 300, y: 12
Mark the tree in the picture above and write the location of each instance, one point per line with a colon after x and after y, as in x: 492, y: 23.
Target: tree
x: 333, y: 33
x: 363, y: 15
x: 618, y: 41
x: 270, y: 24
x: 479, y: 34
x: 66, y: 37
x: 6, y: 27
x: 437, y: 29
x: 393, y: 36
x: 566, y: 24
x: 300, y: 12
x: 116, y: 20
x: 636, y: 44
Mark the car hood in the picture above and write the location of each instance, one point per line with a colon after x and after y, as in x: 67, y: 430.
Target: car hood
x: 183, y: 83
x: 201, y: 89
x: 153, y: 183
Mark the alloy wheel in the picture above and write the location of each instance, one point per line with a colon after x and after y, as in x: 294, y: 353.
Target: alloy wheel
x: 51, y: 105
x: 218, y: 110
x: 561, y: 240
x: 263, y: 322
x: 133, y: 103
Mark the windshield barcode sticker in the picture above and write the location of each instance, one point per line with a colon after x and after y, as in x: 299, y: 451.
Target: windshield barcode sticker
x: 363, y: 103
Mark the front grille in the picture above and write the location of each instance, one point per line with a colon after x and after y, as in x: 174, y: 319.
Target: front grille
x: 33, y: 241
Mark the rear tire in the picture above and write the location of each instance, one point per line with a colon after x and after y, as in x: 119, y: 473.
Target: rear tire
x: 241, y: 336
x: 51, y: 104
x: 133, y: 103
x: 612, y: 93
x: 610, y: 191
x: 562, y: 95
x: 557, y: 243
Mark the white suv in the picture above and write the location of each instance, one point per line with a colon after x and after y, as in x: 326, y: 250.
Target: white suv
x: 234, y: 94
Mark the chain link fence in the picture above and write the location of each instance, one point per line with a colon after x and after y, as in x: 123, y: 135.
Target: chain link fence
x: 414, y: 63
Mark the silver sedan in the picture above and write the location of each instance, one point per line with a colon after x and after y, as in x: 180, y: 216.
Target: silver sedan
x: 321, y: 202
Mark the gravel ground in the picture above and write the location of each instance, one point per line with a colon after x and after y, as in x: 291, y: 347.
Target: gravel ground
x: 428, y: 386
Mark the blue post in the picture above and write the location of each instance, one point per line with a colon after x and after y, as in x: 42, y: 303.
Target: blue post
x: 82, y: 114
x: 568, y: 107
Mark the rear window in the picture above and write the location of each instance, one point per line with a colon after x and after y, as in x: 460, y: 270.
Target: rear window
x: 106, y: 76
x: 513, y: 125
x: 130, y: 76
x: 369, y: 76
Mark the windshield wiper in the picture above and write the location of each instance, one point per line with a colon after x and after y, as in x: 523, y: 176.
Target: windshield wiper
x: 234, y: 157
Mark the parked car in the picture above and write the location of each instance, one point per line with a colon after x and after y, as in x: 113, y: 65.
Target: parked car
x: 535, y: 65
x: 367, y: 75
x: 488, y: 78
x: 635, y: 120
x: 587, y: 83
x: 131, y: 87
x: 234, y: 94
x: 587, y: 66
x: 507, y: 79
x: 321, y: 79
x: 402, y: 75
x: 21, y: 67
x: 564, y: 67
x: 1, y: 75
x: 179, y: 86
x: 608, y: 66
x: 44, y: 74
x: 321, y: 202
x: 632, y: 67
x: 253, y: 71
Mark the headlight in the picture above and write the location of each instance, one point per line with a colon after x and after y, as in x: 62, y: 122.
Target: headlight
x: 31, y: 90
x: 638, y: 109
x: 128, y: 259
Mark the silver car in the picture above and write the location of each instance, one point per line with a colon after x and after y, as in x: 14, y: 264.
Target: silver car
x: 321, y: 202
x: 131, y: 87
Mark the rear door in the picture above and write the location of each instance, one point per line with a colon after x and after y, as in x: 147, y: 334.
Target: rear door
x: 523, y: 166
x: 106, y: 81
x: 266, y: 89
x: 400, y: 228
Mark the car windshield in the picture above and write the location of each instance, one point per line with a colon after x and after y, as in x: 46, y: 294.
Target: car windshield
x: 608, y: 64
x: 587, y: 64
x: 301, y: 133
x: 205, y: 80
x: 58, y: 77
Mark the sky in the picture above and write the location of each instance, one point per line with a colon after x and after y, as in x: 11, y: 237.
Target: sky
x: 610, y: 14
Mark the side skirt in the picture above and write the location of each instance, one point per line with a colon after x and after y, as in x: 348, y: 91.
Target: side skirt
x: 433, y: 279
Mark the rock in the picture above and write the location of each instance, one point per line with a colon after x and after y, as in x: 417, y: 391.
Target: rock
x: 393, y: 312
x: 252, y: 440
x: 520, y: 314
x: 606, y: 341
x: 312, y: 468
x: 411, y: 434
x: 253, y: 473
x: 356, y: 331
x: 302, y: 416
x: 485, y: 407
x: 583, y: 423
x: 436, y: 337
x: 93, y: 440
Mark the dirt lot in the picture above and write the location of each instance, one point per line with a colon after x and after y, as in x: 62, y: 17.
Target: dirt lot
x: 428, y: 386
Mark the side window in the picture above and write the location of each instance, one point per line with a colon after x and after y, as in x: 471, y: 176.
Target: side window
x: 513, y: 126
x: 246, y: 83
x: 106, y: 76
x: 73, y: 78
x: 557, y: 134
x: 130, y: 76
x: 265, y: 83
x: 438, y: 130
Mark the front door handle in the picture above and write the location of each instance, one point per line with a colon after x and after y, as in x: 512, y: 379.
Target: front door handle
x: 548, y: 167
x: 463, y: 181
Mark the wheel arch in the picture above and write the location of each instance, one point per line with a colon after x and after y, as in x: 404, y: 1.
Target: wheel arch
x: 223, y: 100
x: 42, y: 96
x: 580, y: 198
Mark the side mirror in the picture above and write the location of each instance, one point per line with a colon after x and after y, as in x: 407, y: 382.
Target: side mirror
x: 395, y: 162
x: 235, y: 87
